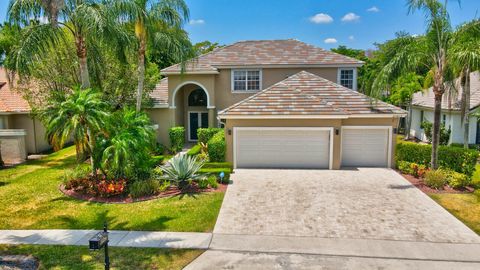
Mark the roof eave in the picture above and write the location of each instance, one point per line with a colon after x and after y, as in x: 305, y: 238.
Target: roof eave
x: 297, y: 116
x: 202, y: 72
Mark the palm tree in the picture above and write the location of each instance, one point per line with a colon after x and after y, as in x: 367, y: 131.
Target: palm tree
x: 82, y: 21
x: 129, y: 140
x: 81, y: 116
x: 465, y: 55
x: 156, y: 23
x: 430, y: 52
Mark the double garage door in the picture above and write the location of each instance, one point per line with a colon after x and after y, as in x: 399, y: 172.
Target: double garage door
x: 309, y: 148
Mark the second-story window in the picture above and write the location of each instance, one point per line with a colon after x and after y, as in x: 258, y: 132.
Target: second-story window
x: 346, y: 77
x: 246, y: 80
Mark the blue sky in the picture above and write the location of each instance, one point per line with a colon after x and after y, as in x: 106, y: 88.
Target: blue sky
x: 354, y: 23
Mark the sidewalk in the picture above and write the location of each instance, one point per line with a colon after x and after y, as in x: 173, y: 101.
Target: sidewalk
x: 117, y: 238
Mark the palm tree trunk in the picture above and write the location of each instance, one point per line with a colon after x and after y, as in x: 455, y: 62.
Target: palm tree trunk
x: 141, y: 72
x: 1, y: 159
x: 466, y: 116
x: 436, y: 129
x: 409, y: 119
x: 91, y: 144
x: 82, y: 59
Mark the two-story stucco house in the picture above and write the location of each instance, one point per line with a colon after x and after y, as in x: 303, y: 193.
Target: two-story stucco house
x: 283, y: 104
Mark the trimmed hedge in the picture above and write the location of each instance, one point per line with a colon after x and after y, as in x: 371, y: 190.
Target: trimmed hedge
x: 177, y: 138
x: 195, y: 150
x: 205, y: 134
x: 217, y: 147
x: 221, y: 165
x: 453, y: 158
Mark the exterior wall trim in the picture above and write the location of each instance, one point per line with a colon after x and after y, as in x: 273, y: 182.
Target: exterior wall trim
x: 389, y: 142
x: 209, y: 106
x: 12, y: 132
x: 331, y: 138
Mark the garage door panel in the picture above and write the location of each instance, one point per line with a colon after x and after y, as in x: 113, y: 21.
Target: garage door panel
x: 282, y: 148
x: 365, y: 147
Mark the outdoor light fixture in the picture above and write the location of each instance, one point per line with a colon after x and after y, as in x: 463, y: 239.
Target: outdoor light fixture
x: 222, y: 175
x: 337, y: 131
x: 229, y: 132
x: 99, y: 241
x: 394, y: 130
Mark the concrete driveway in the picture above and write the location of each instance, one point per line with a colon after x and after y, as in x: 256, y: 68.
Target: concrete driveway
x: 368, y: 203
x: 368, y: 218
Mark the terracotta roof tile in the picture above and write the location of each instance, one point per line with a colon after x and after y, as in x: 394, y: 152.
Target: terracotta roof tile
x: 159, y: 95
x: 307, y: 94
x: 453, y: 95
x: 10, y: 101
x: 265, y: 52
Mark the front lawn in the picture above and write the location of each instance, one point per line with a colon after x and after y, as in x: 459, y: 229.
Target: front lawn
x: 466, y: 207
x: 30, y: 199
x: 78, y: 257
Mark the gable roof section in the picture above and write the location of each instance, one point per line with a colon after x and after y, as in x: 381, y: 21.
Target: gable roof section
x: 159, y: 95
x: 307, y: 95
x: 264, y: 53
x: 11, y: 101
x: 452, y: 98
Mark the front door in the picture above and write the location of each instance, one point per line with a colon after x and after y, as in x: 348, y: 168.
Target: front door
x: 196, y: 120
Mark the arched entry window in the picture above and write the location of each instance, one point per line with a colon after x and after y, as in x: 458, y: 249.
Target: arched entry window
x: 197, y: 98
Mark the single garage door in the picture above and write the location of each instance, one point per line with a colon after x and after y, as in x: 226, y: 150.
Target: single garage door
x: 365, y: 146
x: 257, y: 147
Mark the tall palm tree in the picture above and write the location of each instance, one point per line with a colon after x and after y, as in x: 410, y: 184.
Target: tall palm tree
x: 430, y: 51
x: 81, y: 116
x: 156, y: 23
x: 81, y: 21
x: 465, y: 56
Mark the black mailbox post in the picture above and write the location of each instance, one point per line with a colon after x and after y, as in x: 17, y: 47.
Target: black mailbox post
x: 99, y: 241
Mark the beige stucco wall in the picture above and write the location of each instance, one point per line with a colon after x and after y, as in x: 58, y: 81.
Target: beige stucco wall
x: 164, y: 118
x: 35, y: 141
x: 335, y: 123
x: 13, y: 149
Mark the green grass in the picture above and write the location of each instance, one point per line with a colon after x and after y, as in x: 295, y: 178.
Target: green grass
x: 30, y: 199
x: 466, y: 207
x: 78, y: 257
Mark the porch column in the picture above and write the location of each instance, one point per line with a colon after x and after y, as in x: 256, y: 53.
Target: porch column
x: 172, y: 116
x: 211, y: 117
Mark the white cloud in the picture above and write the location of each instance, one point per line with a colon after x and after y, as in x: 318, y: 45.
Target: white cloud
x: 321, y: 18
x: 330, y: 41
x: 350, y: 17
x: 351, y: 38
x: 373, y: 9
x: 197, y: 22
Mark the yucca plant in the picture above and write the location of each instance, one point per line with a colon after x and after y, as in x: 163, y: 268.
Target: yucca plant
x: 183, y: 170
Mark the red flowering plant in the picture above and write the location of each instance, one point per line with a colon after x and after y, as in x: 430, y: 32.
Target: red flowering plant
x: 109, y: 188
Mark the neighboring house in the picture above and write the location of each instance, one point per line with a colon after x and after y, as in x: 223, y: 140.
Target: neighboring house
x: 283, y: 104
x: 422, y: 110
x: 20, y: 133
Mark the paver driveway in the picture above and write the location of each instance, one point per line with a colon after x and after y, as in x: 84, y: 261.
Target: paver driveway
x: 367, y: 203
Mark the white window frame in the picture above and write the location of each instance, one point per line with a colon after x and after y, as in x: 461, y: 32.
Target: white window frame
x: 246, y: 82
x: 354, y: 76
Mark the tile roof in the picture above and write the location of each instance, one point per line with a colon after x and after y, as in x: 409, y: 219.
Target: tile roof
x: 159, y: 95
x: 265, y: 52
x: 10, y: 101
x: 307, y: 94
x: 453, y: 95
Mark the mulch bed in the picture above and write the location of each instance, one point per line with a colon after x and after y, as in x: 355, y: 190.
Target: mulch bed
x: 18, y: 262
x: 170, y: 192
x: 417, y: 182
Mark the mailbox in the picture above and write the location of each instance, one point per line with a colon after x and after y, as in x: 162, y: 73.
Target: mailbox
x: 98, y: 241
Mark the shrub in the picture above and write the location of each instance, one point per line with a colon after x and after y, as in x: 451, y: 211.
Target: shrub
x: 457, y: 180
x: 453, y: 158
x: 444, y: 133
x: 195, y: 150
x: 160, y: 149
x: 177, y: 138
x: 212, y: 181
x: 217, y: 147
x: 205, y: 134
x: 435, y: 179
x: 203, y: 183
x: 78, y: 173
x: 144, y: 188
x: 157, y: 159
x: 220, y: 165
x: 418, y: 170
x: 404, y: 167
x: 216, y: 172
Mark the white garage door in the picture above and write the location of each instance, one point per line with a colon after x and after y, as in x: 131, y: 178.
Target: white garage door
x: 365, y: 146
x: 282, y: 147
